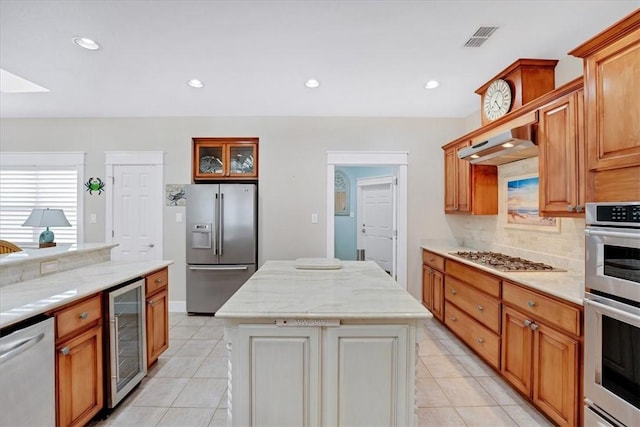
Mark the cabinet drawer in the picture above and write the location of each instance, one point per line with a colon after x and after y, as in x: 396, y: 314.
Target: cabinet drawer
x: 433, y: 260
x: 483, y: 281
x: 484, y: 342
x: 480, y: 306
x: 552, y: 312
x: 156, y: 281
x: 77, y: 316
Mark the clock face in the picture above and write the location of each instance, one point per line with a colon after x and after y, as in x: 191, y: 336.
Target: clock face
x: 497, y: 100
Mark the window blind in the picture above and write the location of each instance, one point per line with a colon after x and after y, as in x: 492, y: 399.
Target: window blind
x: 24, y: 188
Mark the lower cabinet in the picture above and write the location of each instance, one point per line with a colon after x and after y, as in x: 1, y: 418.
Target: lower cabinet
x: 79, y: 373
x: 157, y: 314
x: 543, y: 364
x: 351, y: 375
x: 432, y: 289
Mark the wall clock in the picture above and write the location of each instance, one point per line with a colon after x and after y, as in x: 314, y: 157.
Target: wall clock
x: 497, y: 99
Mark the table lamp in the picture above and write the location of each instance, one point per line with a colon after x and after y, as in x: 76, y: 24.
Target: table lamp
x: 47, y: 218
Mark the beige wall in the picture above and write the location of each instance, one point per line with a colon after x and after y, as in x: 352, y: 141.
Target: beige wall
x: 292, y: 172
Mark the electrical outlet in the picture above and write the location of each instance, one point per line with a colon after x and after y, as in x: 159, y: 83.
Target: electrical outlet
x: 314, y: 218
x: 93, y: 218
x: 49, y: 266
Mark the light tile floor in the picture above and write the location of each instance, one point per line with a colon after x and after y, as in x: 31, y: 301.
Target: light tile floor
x: 187, y: 387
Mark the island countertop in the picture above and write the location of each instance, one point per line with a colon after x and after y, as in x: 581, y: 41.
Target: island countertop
x: 358, y: 290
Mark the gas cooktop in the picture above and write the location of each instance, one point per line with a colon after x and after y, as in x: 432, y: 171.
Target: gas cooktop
x: 502, y: 262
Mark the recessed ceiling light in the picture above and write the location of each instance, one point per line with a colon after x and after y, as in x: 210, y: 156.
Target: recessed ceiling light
x: 432, y: 84
x: 195, y: 83
x: 312, y: 83
x: 86, y: 43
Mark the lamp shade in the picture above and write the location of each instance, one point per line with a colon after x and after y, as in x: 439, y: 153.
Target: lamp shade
x: 47, y: 218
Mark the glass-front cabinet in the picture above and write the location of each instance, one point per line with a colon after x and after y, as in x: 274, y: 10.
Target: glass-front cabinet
x: 225, y: 158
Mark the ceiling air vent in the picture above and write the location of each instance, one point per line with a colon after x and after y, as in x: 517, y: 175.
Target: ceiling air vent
x: 481, y: 35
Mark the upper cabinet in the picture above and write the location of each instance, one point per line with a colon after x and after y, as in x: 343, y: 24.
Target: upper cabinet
x: 561, y: 153
x: 469, y: 189
x: 225, y: 159
x: 612, y: 108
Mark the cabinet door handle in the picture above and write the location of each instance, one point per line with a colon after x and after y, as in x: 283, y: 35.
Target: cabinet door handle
x: 533, y: 326
x: 158, y: 280
x: 480, y: 308
x: 150, y: 302
x: 579, y: 208
x: 527, y: 322
x: 453, y: 291
x: 453, y: 318
x: 531, y: 303
x: 480, y: 340
x: 64, y: 351
x: 84, y: 315
x: 570, y: 208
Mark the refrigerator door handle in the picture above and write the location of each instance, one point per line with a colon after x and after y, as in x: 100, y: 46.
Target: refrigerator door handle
x: 220, y: 222
x: 216, y: 230
x: 239, y: 267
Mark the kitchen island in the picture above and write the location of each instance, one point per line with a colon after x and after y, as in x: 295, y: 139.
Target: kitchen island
x: 321, y: 347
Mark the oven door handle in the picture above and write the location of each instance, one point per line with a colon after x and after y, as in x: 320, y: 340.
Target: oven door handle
x: 589, y: 232
x: 602, y: 306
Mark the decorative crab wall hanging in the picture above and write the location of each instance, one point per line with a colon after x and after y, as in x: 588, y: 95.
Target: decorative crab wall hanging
x: 94, y: 184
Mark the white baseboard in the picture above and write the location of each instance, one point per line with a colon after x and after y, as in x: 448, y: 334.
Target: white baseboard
x: 177, y: 306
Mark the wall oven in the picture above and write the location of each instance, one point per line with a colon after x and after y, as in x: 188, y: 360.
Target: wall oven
x: 612, y: 314
x: 126, y: 352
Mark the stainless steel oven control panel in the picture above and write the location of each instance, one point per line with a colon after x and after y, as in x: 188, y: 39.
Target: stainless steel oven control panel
x: 624, y: 214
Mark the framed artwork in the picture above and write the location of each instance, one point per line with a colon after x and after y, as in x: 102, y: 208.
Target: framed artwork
x: 341, y: 193
x: 175, y: 195
x: 522, y: 205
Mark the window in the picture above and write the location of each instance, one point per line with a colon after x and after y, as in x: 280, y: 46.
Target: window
x: 341, y: 187
x: 40, y: 180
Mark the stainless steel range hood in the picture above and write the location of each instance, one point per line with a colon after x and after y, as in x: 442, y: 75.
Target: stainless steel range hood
x: 510, y: 146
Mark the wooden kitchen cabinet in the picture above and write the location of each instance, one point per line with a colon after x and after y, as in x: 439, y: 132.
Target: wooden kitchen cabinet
x: 561, y: 155
x: 611, y: 66
x: 157, y: 314
x: 79, y: 365
x: 225, y: 159
x: 433, y: 283
x: 472, y: 309
x: 539, y: 357
x: 468, y: 189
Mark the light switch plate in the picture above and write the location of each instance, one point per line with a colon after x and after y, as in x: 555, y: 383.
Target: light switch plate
x: 93, y: 218
x: 178, y: 216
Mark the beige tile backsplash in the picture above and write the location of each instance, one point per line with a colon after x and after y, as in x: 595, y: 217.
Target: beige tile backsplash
x: 564, y: 249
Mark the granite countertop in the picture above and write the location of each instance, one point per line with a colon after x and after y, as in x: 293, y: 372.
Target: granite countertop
x: 43, y: 254
x: 568, y: 286
x: 358, y: 290
x: 22, y: 300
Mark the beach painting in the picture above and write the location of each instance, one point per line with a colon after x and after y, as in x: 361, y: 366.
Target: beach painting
x: 522, y: 206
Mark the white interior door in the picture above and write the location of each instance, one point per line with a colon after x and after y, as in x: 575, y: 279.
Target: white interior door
x: 377, y: 221
x: 137, y: 212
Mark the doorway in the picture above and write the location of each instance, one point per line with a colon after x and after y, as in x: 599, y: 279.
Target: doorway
x: 135, y: 204
x: 397, y: 160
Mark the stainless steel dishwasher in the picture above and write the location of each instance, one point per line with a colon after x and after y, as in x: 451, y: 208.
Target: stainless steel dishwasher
x: 27, y: 374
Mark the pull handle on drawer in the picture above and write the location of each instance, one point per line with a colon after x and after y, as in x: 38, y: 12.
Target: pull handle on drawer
x: 453, y: 291
x: 84, y: 315
x: 453, y: 318
x: 480, y: 340
x: 158, y: 280
x: 531, y: 303
x: 480, y: 308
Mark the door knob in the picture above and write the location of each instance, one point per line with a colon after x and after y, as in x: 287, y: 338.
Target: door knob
x: 151, y: 245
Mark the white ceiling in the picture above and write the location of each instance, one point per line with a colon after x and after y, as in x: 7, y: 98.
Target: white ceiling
x: 371, y: 57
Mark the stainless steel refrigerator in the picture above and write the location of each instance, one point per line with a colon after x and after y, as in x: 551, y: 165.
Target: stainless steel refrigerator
x: 222, y: 236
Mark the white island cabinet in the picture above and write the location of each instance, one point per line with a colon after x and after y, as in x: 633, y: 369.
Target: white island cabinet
x: 321, y: 348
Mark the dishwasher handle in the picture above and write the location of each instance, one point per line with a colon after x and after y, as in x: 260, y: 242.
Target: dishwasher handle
x: 20, y: 347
